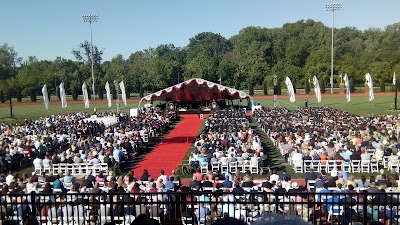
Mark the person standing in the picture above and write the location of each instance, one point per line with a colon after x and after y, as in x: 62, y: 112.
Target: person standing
x: 199, y: 111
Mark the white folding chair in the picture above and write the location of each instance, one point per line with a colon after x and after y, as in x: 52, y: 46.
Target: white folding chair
x: 76, y: 169
x: 254, y: 168
x: 374, y: 166
x: 47, y: 169
x: 310, y: 184
x: 38, y: 169
x: 145, y: 138
x: 224, y: 168
x: 233, y: 167
x: 214, y: 166
x: 365, y: 166
x: 393, y: 165
x: 204, y: 167
x: 298, y: 167
x: 316, y: 165
x: 346, y: 167
x: 330, y: 165
x: 356, y: 166
x: 307, y: 165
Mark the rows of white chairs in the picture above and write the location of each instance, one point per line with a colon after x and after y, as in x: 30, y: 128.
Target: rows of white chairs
x: 231, y: 167
x: 351, y: 166
x: 75, y: 169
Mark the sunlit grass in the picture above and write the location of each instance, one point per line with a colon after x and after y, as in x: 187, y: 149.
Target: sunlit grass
x: 358, y: 105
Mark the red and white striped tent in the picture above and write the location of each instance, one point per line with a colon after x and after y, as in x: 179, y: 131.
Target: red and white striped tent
x: 196, y: 89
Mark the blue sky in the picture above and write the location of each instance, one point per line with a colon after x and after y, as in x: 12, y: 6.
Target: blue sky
x: 49, y: 28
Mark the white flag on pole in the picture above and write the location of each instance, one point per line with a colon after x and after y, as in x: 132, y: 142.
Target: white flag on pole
x: 290, y: 89
x: 317, y: 89
x: 368, y: 79
x: 123, y: 93
x: 347, y: 84
x: 108, y: 93
x: 394, y: 78
x: 63, y: 96
x: 45, y: 97
x: 85, y: 95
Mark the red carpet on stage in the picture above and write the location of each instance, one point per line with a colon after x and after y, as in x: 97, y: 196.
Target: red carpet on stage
x: 170, y: 153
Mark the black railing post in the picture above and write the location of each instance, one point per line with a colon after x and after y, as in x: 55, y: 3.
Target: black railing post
x: 112, y: 207
x: 365, y: 205
x: 33, y: 200
x: 192, y: 205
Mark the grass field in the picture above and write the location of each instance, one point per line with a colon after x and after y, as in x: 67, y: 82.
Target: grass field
x: 359, y: 105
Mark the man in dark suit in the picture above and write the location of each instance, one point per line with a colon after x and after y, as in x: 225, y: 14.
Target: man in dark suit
x: 194, y: 183
x: 91, y: 178
x: 206, y: 182
x: 384, y: 181
x: 237, y: 189
x: 310, y: 176
x: 285, y: 175
x: 227, y: 183
x: 86, y: 182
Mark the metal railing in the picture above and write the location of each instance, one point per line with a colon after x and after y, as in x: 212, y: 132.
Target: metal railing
x: 198, y: 207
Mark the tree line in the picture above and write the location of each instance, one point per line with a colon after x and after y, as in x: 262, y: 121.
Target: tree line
x: 246, y: 61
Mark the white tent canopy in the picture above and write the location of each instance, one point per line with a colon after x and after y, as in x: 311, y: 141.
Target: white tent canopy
x: 196, y: 89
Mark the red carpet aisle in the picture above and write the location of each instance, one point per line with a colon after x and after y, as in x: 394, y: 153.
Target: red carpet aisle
x: 170, y: 153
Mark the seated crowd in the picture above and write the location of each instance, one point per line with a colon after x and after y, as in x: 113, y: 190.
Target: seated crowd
x: 227, y: 140
x: 322, y: 134
x: 215, y: 192
x: 69, y: 139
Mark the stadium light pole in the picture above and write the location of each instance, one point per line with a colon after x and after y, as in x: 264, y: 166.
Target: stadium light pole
x: 333, y: 7
x: 91, y: 19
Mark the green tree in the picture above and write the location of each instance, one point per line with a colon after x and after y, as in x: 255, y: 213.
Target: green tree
x: 253, y: 47
x: 84, y: 56
x: 9, y: 60
x: 322, y: 84
x: 307, y: 88
x: 204, y: 52
x: 2, y: 96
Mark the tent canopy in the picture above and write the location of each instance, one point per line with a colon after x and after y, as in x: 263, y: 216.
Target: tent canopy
x: 196, y: 89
